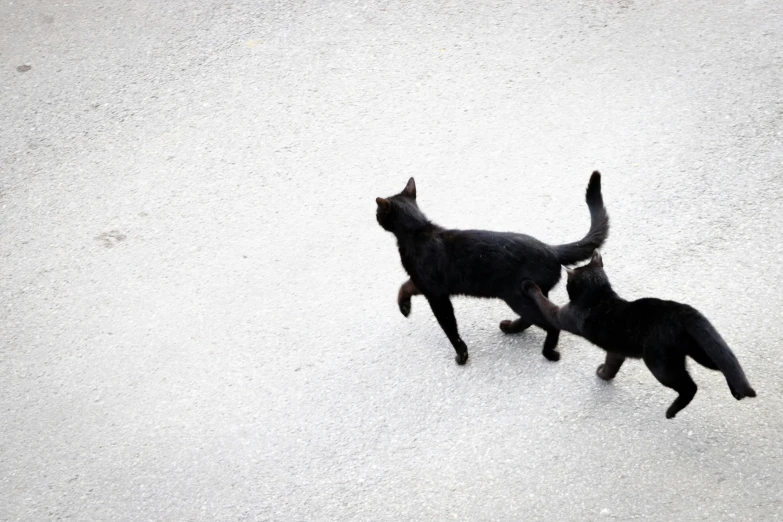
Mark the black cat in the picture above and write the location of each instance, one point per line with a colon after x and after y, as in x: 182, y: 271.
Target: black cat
x: 660, y: 332
x: 479, y: 263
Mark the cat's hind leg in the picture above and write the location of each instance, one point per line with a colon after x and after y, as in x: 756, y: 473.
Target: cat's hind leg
x: 407, y: 290
x: 610, y: 367
x: 700, y: 356
x: 671, y: 372
x: 529, y: 313
x: 512, y: 327
x: 550, y: 343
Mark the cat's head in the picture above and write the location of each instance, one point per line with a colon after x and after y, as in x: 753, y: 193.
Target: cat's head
x: 399, y: 209
x: 584, y: 279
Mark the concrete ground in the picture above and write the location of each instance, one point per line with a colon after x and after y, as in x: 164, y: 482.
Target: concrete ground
x: 198, y: 317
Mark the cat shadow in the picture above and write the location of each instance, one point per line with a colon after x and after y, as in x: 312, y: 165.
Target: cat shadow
x: 519, y: 356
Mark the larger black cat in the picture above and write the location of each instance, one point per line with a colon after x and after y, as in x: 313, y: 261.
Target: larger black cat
x: 660, y: 332
x: 442, y: 263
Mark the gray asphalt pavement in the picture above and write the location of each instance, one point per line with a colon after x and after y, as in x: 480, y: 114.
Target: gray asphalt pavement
x: 198, y: 316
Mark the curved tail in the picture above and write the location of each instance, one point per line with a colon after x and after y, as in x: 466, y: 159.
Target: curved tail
x: 599, y: 227
x: 716, y: 349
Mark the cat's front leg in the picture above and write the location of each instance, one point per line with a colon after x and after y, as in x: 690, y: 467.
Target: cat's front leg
x: 610, y: 367
x: 444, y: 313
x: 407, y: 290
x: 548, y: 309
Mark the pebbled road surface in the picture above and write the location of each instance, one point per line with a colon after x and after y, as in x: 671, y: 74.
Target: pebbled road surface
x: 198, y: 317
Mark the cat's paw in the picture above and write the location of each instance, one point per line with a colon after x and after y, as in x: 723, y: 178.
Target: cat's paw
x: 602, y: 373
x: 750, y: 392
x: 461, y: 358
x: 405, y: 306
x: 552, y: 355
x: 529, y: 287
x: 512, y: 327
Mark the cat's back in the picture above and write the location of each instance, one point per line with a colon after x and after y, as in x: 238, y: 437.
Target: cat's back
x: 626, y: 326
x: 487, y: 239
x: 499, y: 261
x: 658, y: 319
x: 500, y: 247
x: 659, y: 309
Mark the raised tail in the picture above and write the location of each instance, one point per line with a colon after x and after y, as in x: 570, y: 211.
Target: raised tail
x: 719, y: 352
x: 599, y: 227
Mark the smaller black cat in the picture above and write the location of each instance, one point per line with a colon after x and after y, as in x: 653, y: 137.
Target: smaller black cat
x: 660, y: 332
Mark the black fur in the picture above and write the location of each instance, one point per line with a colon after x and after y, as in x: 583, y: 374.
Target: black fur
x: 660, y: 332
x: 442, y: 263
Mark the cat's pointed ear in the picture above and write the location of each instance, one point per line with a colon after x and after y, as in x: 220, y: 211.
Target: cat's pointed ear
x: 383, y: 204
x: 596, y: 260
x: 410, y: 189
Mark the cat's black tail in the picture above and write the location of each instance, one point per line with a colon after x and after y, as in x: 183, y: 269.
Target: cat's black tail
x: 719, y: 352
x: 599, y: 227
